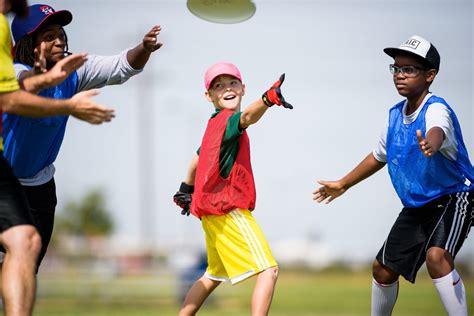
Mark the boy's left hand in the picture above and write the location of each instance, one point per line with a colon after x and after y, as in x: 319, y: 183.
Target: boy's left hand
x: 150, y: 40
x: 183, y: 198
x: 424, y: 144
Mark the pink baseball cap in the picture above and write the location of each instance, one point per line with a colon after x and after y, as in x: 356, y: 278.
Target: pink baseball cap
x: 220, y: 69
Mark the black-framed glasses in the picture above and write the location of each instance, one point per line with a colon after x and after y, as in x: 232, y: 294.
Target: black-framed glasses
x: 408, y: 71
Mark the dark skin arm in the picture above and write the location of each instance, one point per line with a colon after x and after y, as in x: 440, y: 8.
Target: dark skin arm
x: 333, y: 189
x: 138, y: 57
x: 39, y: 78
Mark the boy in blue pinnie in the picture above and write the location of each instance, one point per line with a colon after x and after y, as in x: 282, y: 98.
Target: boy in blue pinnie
x: 428, y: 163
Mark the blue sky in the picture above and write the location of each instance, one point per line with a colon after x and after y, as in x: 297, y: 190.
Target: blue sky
x: 337, y: 78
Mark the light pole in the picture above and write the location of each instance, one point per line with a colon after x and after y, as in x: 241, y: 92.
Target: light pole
x: 146, y: 166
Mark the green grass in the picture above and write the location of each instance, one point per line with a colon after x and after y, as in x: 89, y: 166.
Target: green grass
x: 298, y: 293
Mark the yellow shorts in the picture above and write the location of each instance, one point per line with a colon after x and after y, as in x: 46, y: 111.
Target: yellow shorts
x: 236, y: 247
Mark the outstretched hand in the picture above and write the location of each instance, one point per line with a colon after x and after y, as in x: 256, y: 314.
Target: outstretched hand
x: 183, y: 200
x: 85, y: 109
x: 150, y: 40
x: 63, y: 68
x: 424, y: 144
x: 328, y: 192
x: 273, y: 95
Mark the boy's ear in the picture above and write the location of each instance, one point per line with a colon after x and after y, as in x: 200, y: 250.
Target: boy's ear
x: 208, y: 96
x: 431, y: 75
x: 243, y: 89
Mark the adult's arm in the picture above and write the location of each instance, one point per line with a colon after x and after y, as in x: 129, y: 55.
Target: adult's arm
x: 33, y: 82
x: 100, y: 71
x: 138, y: 56
x: 80, y: 106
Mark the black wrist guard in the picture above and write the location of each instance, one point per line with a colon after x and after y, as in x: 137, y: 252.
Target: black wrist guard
x: 186, y: 188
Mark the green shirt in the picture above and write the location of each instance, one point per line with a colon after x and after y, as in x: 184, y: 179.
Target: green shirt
x: 230, y: 143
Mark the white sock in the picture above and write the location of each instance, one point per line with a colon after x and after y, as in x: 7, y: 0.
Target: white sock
x: 452, y: 293
x: 384, y: 297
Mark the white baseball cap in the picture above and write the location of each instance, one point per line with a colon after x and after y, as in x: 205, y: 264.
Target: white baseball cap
x: 418, y: 46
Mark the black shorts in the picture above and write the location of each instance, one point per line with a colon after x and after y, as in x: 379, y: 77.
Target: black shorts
x: 42, y: 201
x: 14, y: 208
x: 444, y: 222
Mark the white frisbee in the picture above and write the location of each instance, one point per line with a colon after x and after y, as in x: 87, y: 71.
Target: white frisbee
x: 222, y: 11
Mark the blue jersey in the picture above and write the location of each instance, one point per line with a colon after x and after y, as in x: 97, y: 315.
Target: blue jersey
x: 416, y: 178
x: 31, y: 144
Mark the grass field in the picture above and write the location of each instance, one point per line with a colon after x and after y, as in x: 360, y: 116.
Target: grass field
x: 298, y: 293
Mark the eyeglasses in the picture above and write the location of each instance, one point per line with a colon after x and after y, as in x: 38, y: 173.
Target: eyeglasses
x: 408, y: 71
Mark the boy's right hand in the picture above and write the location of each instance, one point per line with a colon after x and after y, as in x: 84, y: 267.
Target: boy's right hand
x: 273, y: 95
x: 329, y: 191
x: 183, y: 198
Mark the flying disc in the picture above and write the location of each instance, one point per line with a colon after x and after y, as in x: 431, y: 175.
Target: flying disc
x: 222, y: 11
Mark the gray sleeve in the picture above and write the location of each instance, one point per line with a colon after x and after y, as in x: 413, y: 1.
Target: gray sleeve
x: 19, y: 68
x: 100, y: 71
x: 438, y: 115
